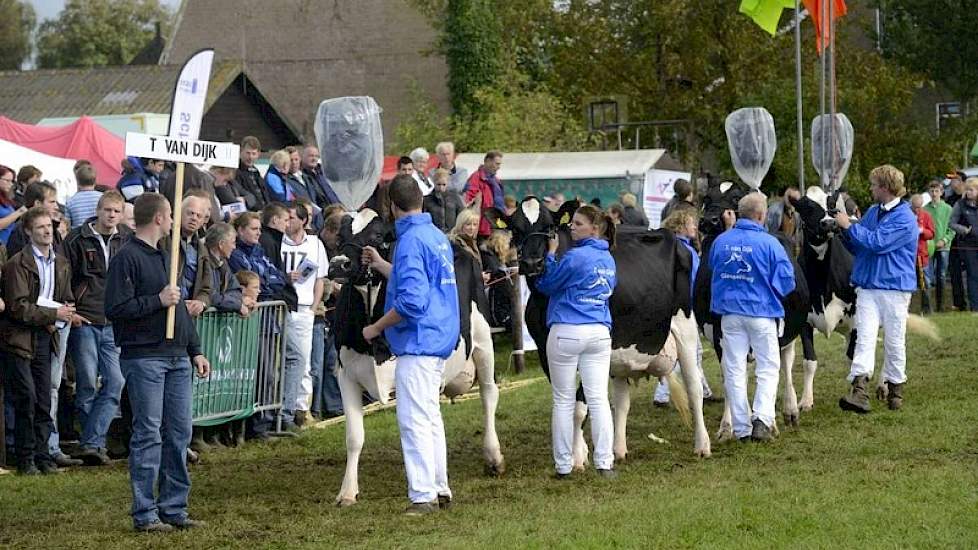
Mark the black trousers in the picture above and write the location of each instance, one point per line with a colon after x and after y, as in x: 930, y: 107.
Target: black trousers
x: 29, y: 381
x: 955, y: 268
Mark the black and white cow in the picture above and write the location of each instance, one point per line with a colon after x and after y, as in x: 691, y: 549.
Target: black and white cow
x: 652, y: 324
x: 369, y: 367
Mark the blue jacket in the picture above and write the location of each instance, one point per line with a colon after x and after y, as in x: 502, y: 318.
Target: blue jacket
x: 277, y: 184
x: 422, y: 290
x: 580, y: 284
x: 251, y: 257
x: 751, y: 272
x: 696, y: 264
x: 884, y: 244
x: 138, y: 179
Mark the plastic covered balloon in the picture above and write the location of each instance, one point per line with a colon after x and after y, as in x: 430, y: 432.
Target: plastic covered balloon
x: 832, y: 149
x: 351, y: 144
x: 750, y: 134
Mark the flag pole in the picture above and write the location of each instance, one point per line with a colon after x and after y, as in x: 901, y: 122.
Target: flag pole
x: 798, y: 103
x: 175, y: 238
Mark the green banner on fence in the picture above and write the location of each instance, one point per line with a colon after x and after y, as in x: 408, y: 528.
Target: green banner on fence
x: 230, y: 343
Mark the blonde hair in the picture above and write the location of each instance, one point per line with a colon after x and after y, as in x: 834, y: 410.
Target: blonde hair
x: 464, y: 217
x: 971, y: 183
x: 280, y: 157
x: 890, y: 178
x: 677, y: 219
x: 628, y: 200
x: 440, y: 175
x: 499, y: 243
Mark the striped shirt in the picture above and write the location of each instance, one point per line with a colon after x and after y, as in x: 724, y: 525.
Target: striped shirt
x: 81, y: 206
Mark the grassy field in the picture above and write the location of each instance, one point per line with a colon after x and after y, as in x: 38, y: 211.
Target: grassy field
x: 886, y: 480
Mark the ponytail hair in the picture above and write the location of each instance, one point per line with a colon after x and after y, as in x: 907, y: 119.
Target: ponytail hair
x: 600, y: 219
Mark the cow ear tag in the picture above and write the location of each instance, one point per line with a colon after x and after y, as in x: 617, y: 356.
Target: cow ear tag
x: 500, y: 223
x: 565, y: 219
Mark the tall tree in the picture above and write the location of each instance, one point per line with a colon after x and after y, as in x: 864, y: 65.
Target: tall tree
x: 934, y: 38
x: 93, y: 33
x: 17, y: 22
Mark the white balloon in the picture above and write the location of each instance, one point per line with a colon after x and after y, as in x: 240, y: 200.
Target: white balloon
x: 750, y: 134
x: 351, y: 145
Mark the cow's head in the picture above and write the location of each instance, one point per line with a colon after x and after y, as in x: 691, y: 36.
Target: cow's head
x: 718, y: 198
x: 817, y: 211
x: 533, y: 226
x: 366, y: 228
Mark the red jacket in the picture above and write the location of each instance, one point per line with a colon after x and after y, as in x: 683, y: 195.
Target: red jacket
x: 478, y: 184
x: 926, y: 225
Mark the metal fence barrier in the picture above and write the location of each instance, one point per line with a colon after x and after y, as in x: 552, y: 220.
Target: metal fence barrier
x: 247, y: 356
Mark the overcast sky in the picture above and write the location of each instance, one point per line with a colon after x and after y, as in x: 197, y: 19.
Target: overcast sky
x: 47, y: 9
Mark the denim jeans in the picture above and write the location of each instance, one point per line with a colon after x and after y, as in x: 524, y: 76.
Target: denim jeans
x: 326, y: 396
x: 95, y: 356
x: 298, y: 349
x: 57, y: 372
x: 160, y: 394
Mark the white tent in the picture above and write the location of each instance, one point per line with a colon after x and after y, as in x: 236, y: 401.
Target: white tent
x: 59, y: 171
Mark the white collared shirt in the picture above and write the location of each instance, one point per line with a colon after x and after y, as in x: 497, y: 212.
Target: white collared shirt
x: 890, y: 205
x: 45, y: 270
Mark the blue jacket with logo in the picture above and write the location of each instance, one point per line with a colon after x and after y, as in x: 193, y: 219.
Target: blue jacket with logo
x: 884, y: 244
x: 751, y: 272
x: 580, y: 284
x: 422, y: 290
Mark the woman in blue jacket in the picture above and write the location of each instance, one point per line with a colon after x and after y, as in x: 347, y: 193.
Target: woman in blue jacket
x: 579, y: 286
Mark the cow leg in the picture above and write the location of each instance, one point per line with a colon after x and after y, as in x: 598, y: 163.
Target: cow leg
x: 810, y: 363
x: 580, y: 450
x: 725, y: 433
x: 623, y: 403
x: 484, y: 359
x: 789, y: 406
x: 683, y: 328
x: 352, y: 394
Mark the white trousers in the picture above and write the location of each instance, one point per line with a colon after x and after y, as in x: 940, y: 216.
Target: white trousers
x: 298, y: 378
x: 890, y: 309
x: 584, y: 349
x: 417, y: 382
x: 741, y: 335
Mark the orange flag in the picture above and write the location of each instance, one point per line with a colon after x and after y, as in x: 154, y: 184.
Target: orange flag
x: 815, y: 8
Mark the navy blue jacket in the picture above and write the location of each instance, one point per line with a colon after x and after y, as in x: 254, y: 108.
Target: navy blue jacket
x: 884, y: 244
x: 422, y: 290
x: 251, y: 257
x: 137, y: 274
x: 751, y: 272
x: 580, y: 284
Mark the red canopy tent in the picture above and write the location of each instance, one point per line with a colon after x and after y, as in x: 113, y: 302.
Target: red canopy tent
x: 82, y: 139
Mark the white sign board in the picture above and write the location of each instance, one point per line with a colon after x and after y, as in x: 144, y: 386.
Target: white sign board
x: 182, y: 150
x: 657, y: 192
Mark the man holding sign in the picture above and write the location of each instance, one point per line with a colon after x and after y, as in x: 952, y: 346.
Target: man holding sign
x: 157, y: 369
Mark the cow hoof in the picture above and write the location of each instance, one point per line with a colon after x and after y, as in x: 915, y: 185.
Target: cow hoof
x: 657, y: 439
x: 345, y: 502
x: 702, y: 453
x: 806, y: 406
x: 621, y: 458
x: 496, y: 470
x: 791, y: 419
x: 577, y: 468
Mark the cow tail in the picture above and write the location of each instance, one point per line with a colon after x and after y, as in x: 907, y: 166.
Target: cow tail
x: 679, y: 398
x: 921, y: 326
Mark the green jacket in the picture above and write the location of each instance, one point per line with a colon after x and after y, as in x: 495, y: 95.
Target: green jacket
x: 941, y: 213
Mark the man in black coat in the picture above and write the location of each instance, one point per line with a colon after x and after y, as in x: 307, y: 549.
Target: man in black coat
x: 443, y: 203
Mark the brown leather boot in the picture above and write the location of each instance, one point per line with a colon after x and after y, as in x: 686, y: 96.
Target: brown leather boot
x: 894, y: 396
x: 857, y: 400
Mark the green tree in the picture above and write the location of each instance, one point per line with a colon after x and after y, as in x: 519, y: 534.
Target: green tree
x: 93, y: 33
x: 934, y: 38
x: 17, y: 22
